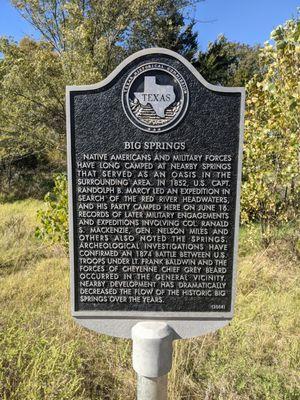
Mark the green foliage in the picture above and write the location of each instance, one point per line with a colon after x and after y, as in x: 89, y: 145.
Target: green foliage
x: 93, y: 34
x: 246, y: 64
x: 228, y: 63
x: 28, y: 176
x: 271, y: 190
x: 32, y: 117
x: 53, y: 217
x: 45, y: 355
x: 166, y: 28
x: 32, y: 113
x: 81, y: 43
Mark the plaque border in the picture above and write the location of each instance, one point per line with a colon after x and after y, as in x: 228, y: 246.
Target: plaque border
x: 185, y: 323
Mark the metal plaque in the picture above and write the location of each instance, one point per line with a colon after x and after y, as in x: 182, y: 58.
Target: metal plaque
x: 154, y: 170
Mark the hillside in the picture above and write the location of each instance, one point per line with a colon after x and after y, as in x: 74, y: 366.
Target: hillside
x: 44, y: 355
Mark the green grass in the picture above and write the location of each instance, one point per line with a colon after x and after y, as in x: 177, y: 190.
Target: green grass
x: 45, y: 355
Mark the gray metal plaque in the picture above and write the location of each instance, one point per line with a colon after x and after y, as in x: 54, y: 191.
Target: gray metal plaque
x: 154, y: 169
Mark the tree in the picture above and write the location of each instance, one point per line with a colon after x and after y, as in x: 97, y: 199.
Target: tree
x: 32, y: 115
x: 166, y: 29
x: 81, y: 42
x: 271, y: 191
x: 246, y: 65
x: 228, y: 63
x: 93, y: 33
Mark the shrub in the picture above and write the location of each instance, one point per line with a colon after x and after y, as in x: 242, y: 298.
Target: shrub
x: 271, y: 191
x: 54, y: 217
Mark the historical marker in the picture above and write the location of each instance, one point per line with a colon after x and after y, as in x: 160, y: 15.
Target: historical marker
x: 154, y: 177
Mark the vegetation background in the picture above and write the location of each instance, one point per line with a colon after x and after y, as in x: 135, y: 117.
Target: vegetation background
x: 43, y: 354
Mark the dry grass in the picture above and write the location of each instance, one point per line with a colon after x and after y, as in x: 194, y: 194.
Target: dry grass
x: 45, y: 355
x: 257, y: 356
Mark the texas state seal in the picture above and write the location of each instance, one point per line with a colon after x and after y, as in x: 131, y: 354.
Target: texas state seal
x: 155, y: 97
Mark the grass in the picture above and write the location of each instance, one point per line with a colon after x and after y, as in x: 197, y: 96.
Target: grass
x: 45, y: 355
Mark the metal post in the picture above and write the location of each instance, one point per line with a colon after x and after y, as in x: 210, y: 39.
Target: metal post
x: 152, y: 388
x: 152, y: 358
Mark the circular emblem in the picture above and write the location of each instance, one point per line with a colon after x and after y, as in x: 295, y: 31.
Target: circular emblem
x: 155, y: 97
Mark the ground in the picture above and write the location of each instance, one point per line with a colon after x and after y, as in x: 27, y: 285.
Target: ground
x: 45, y: 355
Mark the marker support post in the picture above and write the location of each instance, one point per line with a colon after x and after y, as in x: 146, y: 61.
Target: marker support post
x: 152, y: 358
